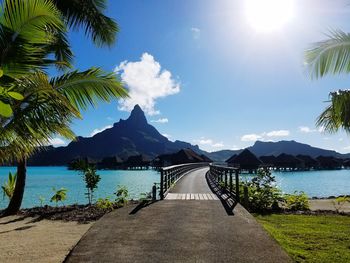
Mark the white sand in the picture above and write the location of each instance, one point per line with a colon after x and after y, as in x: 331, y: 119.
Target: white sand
x: 327, y: 204
x: 24, y: 240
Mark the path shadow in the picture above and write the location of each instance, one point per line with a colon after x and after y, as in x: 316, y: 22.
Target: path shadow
x: 17, y: 229
x: 227, y: 199
x: 142, y: 205
x: 13, y: 220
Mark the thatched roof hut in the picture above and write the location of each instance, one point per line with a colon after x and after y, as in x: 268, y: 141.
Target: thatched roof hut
x: 206, y: 158
x: 329, y: 162
x: 182, y: 156
x: 246, y: 160
x: 287, y: 161
x: 230, y: 160
x: 112, y: 162
x: 308, y: 161
x: 138, y: 161
x: 268, y: 160
x: 186, y: 156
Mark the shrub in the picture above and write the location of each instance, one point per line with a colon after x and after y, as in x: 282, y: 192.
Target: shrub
x: 263, y: 195
x: 9, y: 187
x: 90, y: 176
x: 41, y: 200
x: 122, y: 195
x: 340, y: 202
x: 59, y: 195
x: 145, y: 197
x: 298, y: 201
x: 105, y: 204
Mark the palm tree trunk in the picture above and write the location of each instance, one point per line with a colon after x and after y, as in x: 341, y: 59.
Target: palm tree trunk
x: 16, y: 200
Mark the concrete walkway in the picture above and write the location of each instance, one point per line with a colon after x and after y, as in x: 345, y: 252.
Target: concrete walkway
x: 178, y: 231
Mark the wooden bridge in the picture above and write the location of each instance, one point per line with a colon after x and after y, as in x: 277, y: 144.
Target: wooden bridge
x: 197, y: 219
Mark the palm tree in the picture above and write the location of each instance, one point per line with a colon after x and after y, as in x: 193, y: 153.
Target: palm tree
x: 46, y: 107
x: 332, y: 56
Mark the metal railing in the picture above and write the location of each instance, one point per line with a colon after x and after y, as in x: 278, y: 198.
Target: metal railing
x: 171, y: 174
x: 223, y: 175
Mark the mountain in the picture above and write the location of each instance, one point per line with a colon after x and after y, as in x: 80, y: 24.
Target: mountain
x: 276, y: 148
x: 126, y: 138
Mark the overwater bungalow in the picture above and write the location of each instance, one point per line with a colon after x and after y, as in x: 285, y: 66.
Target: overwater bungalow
x: 182, y: 156
x: 288, y: 162
x: 308, y: 162
x: 230, y: 160
x: 245, y: 161
x: 329, y: 162
x: 113, y: 162
x: 138, y: 162
x: 88, y: 160
x: 268, y: 160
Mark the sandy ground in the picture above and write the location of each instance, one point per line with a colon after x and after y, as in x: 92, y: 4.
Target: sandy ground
x: 28, y: 240
x: 327, y: 204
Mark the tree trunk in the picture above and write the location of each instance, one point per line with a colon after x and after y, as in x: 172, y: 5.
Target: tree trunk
x: 16, y: 200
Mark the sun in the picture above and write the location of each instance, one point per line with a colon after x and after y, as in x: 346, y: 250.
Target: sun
x: 269, y: 15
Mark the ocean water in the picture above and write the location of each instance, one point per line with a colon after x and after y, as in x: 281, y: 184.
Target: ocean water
x: 40, y: 181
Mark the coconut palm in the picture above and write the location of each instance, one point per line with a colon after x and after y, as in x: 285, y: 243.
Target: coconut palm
x: 332, y: 56
x: 41, y: 107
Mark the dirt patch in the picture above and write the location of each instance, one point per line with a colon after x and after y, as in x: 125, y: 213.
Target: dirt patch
x: 27, y: 239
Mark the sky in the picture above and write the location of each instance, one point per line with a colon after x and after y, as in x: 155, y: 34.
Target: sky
x: 218, y: 73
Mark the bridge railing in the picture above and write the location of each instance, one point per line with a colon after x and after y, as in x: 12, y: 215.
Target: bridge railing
x: 171, y: 174
x: 224, y: 176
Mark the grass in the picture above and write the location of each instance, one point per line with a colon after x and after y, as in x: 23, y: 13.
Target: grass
x: 311, y: 238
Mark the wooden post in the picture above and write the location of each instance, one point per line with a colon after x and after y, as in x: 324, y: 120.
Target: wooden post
x: 231, y: 186
x: 237, y: 186
x: 225, y: 171
x: 154, y: 192
x: 246, y: 197
x: 161, y: 190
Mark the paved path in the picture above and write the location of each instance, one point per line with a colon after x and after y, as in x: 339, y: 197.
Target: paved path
x: 178, y: 231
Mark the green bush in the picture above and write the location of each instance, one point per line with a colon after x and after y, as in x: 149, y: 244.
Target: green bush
x: 59, y: 195
x: 122, y: 195
x: 9, y: 187
x: 263, y: 195
x: 105, y: 204
x: 298, y: 201
x: 90, y: 176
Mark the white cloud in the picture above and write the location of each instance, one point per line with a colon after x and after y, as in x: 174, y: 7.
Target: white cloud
x: 161, y: 120
x: 280, y: 133
x: 146, y: 82
x: 209, y: 143
x: 94, y: 132
x: 265, y: 136
x: 347, y: 148
x: 250, y: 137
x: 340, y: 139
x: 56, y: 142
x: 196, y: 32
x: 305, y: 129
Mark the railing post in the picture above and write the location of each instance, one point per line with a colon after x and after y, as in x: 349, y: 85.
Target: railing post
x: 154, y: 192
x: 237, y: 185
x: 231, y: 186
x: 161, y: 189
x: 225, y: 171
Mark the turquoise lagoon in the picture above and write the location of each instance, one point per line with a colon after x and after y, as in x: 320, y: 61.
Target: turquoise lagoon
x: 40, y: 181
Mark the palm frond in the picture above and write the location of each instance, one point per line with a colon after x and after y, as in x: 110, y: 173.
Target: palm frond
x: 25, y: 32
x: 337, y: 114
x: 89, y: 14
x: 331, y: 56
x: 88, y: 87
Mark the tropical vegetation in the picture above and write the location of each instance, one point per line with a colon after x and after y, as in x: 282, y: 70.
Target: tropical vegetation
x: 59, y: 195
x: 90, y: 177
x: 9, y: 186
x: 332, y: 56
x: 35, y: 107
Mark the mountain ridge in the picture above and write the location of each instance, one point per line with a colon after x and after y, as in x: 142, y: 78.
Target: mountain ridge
x: 135, y: 136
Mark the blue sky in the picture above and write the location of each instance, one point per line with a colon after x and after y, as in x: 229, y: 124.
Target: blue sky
x: 210, y: 77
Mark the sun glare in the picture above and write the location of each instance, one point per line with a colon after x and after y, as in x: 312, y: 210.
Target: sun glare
x: 269, y: 15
